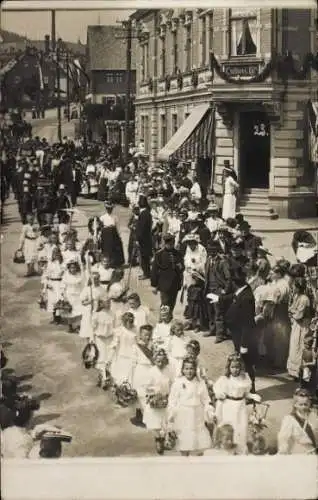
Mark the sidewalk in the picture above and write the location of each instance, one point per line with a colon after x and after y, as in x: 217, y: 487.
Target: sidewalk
x: 283, y: 225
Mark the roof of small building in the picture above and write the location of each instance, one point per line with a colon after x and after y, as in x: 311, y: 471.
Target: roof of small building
x: 106, y: 46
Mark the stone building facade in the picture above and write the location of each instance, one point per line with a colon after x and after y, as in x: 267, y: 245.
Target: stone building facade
x: 233, y: 60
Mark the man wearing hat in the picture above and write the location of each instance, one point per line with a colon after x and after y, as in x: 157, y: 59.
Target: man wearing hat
x: 218, y: 280
x: 240, y: 320
x: 62, y: 204
x: 167, y: 272
x: 251, y: 242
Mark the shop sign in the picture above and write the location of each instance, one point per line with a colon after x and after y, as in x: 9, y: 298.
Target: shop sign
x: 248, y: 70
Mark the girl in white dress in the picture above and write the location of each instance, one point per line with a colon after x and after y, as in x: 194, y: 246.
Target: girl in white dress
x: 189, y: 410
x: 103, y: 332
x: 71, y: 288
x: 53, y: 242
x: 142, y: 364
x: 71, y: 253
x: 177, y: 346
x: 298, y: 432
x: 161, y: 332
x: 122, y: 351
x: 28, y: 244
x: 160, y: 379
x: 105, y: 271
x: 116, y: 292
x: 52, y: 283
x: 231, y: 391
x: 91, y: 296
x: 141, y: 313
x: 229, y: 198
x: 193, y: 349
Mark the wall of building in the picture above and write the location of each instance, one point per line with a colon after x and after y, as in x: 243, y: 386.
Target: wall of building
x: 291, y: 180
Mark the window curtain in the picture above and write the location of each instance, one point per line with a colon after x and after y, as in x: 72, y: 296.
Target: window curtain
x: 236, y: 37
x: 251, y: 36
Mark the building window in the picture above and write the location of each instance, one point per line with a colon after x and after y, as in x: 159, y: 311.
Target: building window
x: 146, y: 134
x: 163, y: 128
x: 163, y: 56
x: 188, y: 48
x: 175, y: 51
x: 142, y: 128
x: 110, y: 78
x: 243, y: 33
x: 174, y: 123
x: 119, y: 78
x: 203, y: 41
x: 145, y: 62
x: 210, y: 34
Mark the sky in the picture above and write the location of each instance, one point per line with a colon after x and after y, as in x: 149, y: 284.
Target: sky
x: 70, y: 26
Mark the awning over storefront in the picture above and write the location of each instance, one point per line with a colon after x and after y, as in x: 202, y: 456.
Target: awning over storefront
x: 313, y: 130
x: 195, y: 137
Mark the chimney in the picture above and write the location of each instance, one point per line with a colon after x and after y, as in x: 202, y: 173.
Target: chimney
x: 47, y: 44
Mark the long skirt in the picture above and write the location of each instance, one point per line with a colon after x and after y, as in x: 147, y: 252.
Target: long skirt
x: 139, y: 383
x: 112, y: 246
x: 296, y: 346
x: 53, y: 295
x: 132, y: 252
x: 102, y: 344
x: 229, y: 206
x: 30, y: 250
x: 190, y: 428
x: 277, y: 337
x: 75, y: 301
x: 102, y: 190
x: 234, y: 413
x: 155, y: 418
x: 122, y: 369
x: 86, y: 329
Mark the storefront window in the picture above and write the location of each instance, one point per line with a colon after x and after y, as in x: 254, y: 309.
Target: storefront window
x: 243, y: 32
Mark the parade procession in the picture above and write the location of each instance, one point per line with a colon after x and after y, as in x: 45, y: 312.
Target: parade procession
x: 151, y: 314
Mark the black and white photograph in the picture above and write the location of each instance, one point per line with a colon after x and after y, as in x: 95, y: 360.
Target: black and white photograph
x: 159, y: 231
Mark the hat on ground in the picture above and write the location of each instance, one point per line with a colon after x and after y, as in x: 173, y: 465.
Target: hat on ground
x: 168, y: 237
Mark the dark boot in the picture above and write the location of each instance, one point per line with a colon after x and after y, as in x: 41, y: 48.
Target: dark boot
x: 137, y: 419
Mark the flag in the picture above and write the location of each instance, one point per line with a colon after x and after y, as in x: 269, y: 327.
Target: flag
x: 313, y: 131
x: 80, y: 69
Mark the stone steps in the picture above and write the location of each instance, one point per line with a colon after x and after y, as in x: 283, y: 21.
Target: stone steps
x: 255, y: 204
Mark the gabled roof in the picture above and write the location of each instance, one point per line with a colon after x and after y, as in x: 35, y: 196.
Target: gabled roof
x: 10, y: 37
x: 106, y: 46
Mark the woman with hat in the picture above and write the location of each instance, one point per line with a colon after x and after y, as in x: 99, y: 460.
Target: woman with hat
x: 111, y: 243
x: 212, y: 220
x: 231, y: 187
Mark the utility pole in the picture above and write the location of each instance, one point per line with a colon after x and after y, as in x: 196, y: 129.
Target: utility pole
x: 53, y: 29
x: 58, y: 77
x: 68, y: 86
x: 128, y: 88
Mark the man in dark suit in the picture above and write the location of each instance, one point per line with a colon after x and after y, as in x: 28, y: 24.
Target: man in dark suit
x: 240, y: 320
x: 167, y: 272
x: 144, y: 237
x: 218, y: 280
x: 250, y: 241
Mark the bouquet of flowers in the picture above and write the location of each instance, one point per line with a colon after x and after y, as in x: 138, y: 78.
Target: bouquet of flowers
x: 90, y: 355
x: 257, y: 419
x: 157, y: 400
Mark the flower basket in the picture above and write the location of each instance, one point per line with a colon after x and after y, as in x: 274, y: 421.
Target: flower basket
x: 18, y: 257
x: 63, y: 306
x: 157, y: 400
x: 42, y: 302
x: 124, y: 393
x: 170, y: 440
x: 257, y: 418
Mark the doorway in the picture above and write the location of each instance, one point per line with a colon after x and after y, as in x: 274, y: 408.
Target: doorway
x: 255, y: 154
